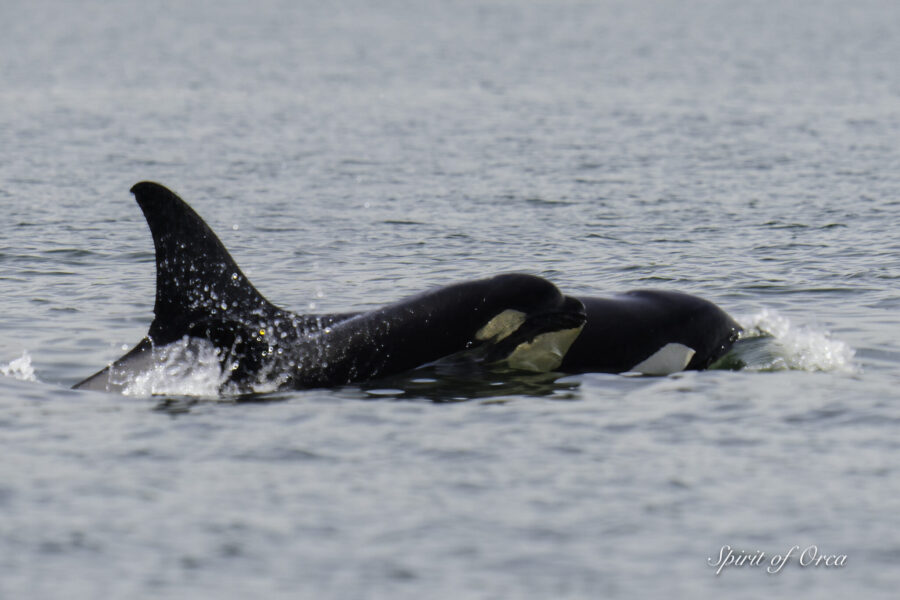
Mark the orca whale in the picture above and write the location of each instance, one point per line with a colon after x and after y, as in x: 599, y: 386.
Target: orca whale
x: 651, y: 332
x: 647, y: 332
x: 519, y: 320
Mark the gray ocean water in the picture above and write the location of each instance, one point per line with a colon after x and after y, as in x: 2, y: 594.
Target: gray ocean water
x: 351, y: 153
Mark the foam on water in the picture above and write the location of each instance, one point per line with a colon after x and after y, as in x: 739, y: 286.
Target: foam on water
x: 19, y: 368
x: 188, y: 367
x: 770, y: 342
x: 193, y: 367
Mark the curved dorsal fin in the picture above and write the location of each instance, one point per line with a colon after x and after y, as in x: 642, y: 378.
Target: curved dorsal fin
x: 196, y: 278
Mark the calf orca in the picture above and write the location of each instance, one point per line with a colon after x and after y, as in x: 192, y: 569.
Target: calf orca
x: 647, y: 332
x: 201, y: 294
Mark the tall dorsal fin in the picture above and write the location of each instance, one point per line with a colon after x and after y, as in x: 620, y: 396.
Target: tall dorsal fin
x: 196, y: 278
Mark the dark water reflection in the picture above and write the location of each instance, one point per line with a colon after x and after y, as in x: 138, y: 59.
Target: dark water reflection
x: 437, y: 384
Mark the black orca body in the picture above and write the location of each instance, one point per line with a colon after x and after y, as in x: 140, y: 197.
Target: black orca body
x: 651, y: 332
x: 648, y: 332
x: 523, y: 320
x: 201, y: 294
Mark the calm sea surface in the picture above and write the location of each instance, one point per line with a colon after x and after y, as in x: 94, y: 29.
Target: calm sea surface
x: 351, y: 153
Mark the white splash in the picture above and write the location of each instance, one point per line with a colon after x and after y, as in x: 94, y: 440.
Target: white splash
x: 19, y: 368
x: 188, y: 367
x: 193, y: 367
x: 795, y: 347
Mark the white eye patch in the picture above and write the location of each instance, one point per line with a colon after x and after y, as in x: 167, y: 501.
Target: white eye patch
x: 501, y: 326
x: 669, y: 359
